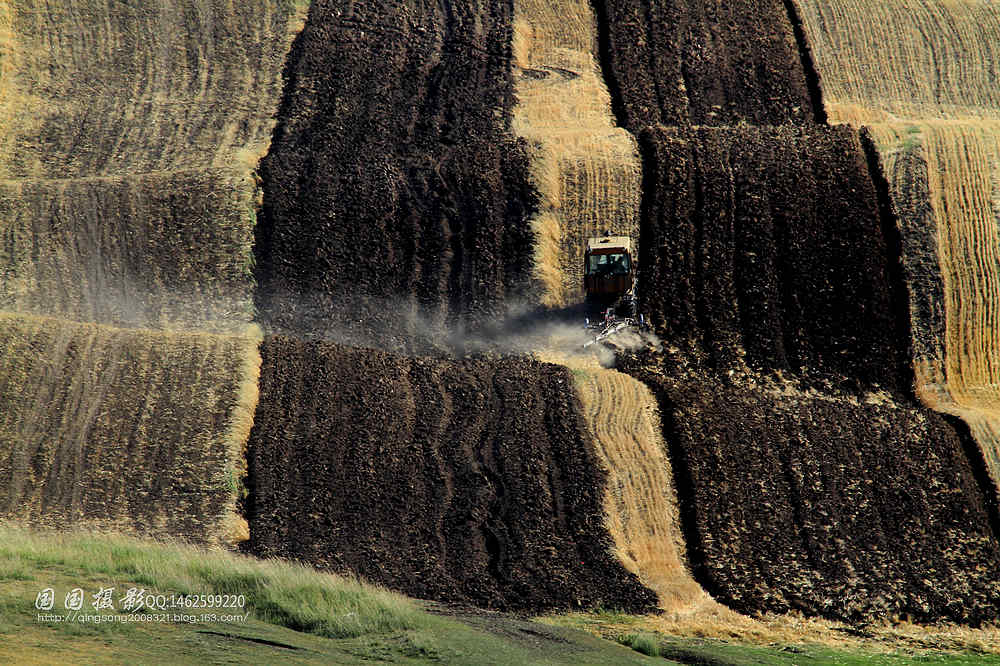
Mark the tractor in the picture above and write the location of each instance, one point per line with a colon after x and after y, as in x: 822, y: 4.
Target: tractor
x: 609, y: 282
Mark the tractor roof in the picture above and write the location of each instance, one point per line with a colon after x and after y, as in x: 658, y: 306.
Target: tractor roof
x: 609, y: 243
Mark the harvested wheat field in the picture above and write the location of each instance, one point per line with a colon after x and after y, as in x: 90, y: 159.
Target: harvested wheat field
x: 464, y: 480
x: 768, y: 269
x: 125, y: 430
x: 102, y: 88
x: 127, y: 201
x: 390, y: 188
x: 126, y: 194
x: 905, y: 59
x: 169, y: 250
x: 640, y: 501
x: 395, y: 199
x: 586, y: 170
x: 950, y: 227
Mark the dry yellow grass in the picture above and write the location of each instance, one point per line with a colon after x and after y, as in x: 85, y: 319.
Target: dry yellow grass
x: 135, y: 431
x: 586, y: 169
x: 128, y: 137
x: 124, y: 89
x: 959, y: 372
x: 905, y: 59
x: 792, y: 629
x: 171, y: 250
x: 641, y: 506
x: 643, y: 520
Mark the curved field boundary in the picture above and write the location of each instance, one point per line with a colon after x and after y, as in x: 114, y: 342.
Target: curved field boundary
x: 925, y: 75
x: 586, y: 169
x: 808, y: 479
x: 742, y: 265
x: 128, y: 430
x: 641, y: 509
x: 703, y: 62
x: 851, y: 506
x: 944, y: 183
x: 396, y: 201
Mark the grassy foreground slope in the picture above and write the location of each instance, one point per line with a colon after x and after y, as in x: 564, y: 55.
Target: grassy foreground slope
x: 293, y: 614
x: 924, y: 76
x: 134, y: 431
x: 785, y: 387
x: 298, y: 616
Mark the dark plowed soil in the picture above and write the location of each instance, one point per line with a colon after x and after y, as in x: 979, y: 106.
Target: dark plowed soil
x: 773, y: 270
x: 912, y: 208
x: 469, y: 481
x: 768, y: 241
x: 702, y: 62
x: 394, y: 199
x: 840, y: 505
x: 766, y: 258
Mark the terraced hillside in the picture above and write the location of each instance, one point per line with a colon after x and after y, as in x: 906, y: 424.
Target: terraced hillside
x: 125, y: 164
x: 924, y: 76
x: 468, y: 481
x: 395, y: 201
x: 135, y: 431
x: 585, y: 169
x: 127, y: 209
x: 427, y: 168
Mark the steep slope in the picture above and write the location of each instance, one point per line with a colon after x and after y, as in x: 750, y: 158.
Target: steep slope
x: 128, y: 137
x: 395, y: 201
x: 470, y: 481
x: 131, y: 135
x: 703, y: 62
x: 748, y: 263
x: 784, y: 390
x: 924, y: 74
x: 640, y: 501
x: 586, y: 170
x: 165, y: 250
x: 905, y: 59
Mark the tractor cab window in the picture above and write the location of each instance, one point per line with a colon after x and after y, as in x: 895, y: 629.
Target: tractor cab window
x: 608, y: 264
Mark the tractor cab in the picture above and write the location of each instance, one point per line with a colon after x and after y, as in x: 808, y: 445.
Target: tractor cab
x: 609, y: 272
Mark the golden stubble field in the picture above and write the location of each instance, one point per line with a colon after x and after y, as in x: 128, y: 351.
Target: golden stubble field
x: 586, y: 169
x: 128, y: 200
